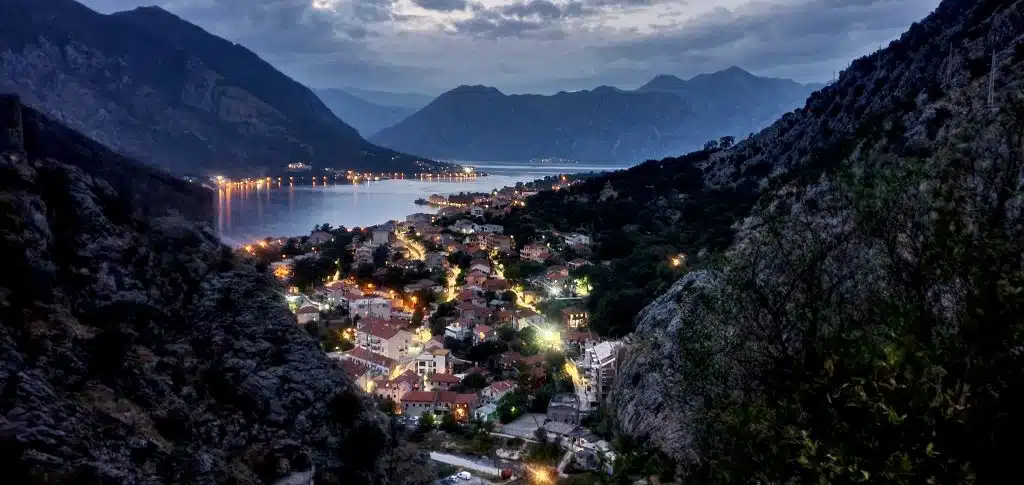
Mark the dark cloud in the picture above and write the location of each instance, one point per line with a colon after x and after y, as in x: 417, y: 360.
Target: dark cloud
x: 536, y: 18
x: 442, y: 5
x: 760, y: 36
x: 544, y: 45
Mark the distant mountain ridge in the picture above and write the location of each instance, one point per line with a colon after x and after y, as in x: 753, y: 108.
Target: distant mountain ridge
x: 734, y: 99
x: 665, y: 116
x: 365, y: 116
x: 155, y: 87
x: 482, y: 123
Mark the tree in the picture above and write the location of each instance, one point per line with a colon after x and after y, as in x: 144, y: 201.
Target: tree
x: 726, y: 141
x: 511, y: 406
x: 711, y: 145
x: 474, y: 381
x: 449, y: 424
x: 417, y: 317
x: 427, y: 423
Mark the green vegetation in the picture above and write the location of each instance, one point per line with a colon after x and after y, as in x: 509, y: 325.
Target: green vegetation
x: 661, y: 209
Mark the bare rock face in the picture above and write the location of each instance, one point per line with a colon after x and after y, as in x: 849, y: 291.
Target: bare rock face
x: 135, y: 348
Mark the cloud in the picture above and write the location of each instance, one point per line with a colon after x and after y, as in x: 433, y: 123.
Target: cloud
x: 521, y: 19
x: 441, y: 5
x: 544, y: 45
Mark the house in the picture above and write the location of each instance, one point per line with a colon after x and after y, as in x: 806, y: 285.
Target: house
x: 597, y: 369
x: 472, y: 314
x: 556, y: 271
x: 379, y: 364
x: 434, y: 360
x: 535, y: 252
x: 380, y: 235
x: 370, y: 307
x: 576, y: 339
x: 420, y: 217
x: 319, y: 237
x: 481, y: 265
x: 363, y: 254
x: 496, y: 391
x: 527, y: 318
x: 416, y: 403
x: 576, y: 239
x: 575, y: 317
x: 476, y: 278
x: 361, y: 373
x: 458, y: 330
x: 564, y: 408
x: 577, y: 263
x: 463, y: 226
x: 460, y: 405
x: 476, y: 211
x: 486, y: 413
x: 510, y: 360
x: 497, y: 286
x: 398, y: 387
x: 491, y: 228
x: 434, y: 260
x: 429, y: 285
x: 483, y: 333
x: 307, y: 313
x: 498, y: 242
x: 441, y: 382
x: 384, y: 338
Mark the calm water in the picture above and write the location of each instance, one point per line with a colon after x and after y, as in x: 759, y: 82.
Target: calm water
x: 245, y: 215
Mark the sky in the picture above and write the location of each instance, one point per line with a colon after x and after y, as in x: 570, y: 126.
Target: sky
x: 544, y: 46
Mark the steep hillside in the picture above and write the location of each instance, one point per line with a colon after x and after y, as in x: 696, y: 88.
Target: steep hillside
x: 155, y: 87
x: 482, y: 123
x: 367, y: 117
x: 864, y: 324
x: 733, y: 101
x: 135, y: 348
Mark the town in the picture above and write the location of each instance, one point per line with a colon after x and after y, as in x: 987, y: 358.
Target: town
x: 476, y: 343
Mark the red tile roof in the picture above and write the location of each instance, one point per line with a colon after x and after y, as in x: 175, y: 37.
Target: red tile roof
x: 495, y: 284
x: 367, y: 356
x: 354, y: 368
x: 443, y: 379
x: 419, y: 397
x: 499, y: 387
x: 533, y: 360
x: 381, y: 329
x: 308, y: 309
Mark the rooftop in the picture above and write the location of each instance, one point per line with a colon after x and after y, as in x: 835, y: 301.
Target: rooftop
x: 367, y: 356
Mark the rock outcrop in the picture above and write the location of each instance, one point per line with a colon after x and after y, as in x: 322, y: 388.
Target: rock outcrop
x: 135, y: 348
x: 852, y: 191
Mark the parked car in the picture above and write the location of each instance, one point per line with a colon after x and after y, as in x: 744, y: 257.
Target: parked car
x: 464, y: 475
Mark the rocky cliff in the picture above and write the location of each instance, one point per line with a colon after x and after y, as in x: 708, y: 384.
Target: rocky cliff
x: 859, y: 328
x: 155, y: 87
x: 135, y: 348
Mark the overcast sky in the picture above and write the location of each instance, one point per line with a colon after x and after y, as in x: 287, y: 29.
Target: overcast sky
x: 544, y: 45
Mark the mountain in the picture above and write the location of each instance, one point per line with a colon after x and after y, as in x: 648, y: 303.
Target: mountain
x: 367, y: 117
x: 733, y: 101
x: 413, y: 101
x: 603, y: 124
x: 482, y: 123
x: 160, y: 89
x: 135, y: 348
x: 849, y: 310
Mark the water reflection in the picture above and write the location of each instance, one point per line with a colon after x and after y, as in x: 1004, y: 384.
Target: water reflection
x: 290, y: 207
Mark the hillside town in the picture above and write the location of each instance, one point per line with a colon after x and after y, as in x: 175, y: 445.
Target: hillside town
x: 478, y: 344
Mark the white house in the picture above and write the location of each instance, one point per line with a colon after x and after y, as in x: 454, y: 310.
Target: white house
x: 384, y: 338
x: 577, y: 239
x: 381, y: 235
x: 491, y: 228
x: 307, y: 313
x: 463, y: 226
x: 434, y: 361
x: 371, y: 307
x: 476, y: 211
x: 496, y: 391
x: 319, y: 237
